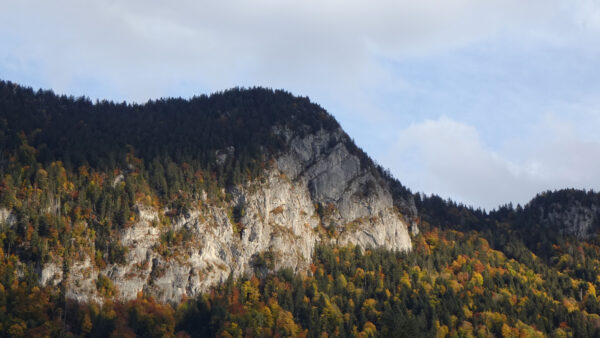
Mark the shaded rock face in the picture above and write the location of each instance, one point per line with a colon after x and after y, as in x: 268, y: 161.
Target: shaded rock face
x: 317, y: 191
x: 361, y: 205
x: 573, y: 219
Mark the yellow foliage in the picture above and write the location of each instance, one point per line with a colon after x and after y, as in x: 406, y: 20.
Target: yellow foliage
x: 570, y: 304
x: 285, y: 324
x: 527, y: 331
x: 17, y: 330
x: 250, y: 293
x: 507, y: 332
x: 369, y: 308
x: 405, y: 280
x: 468, y: 313
x: 369, y: 330
x: 477, y: 279
x: 455, y: 285
x: 559, y: 333
x: 466, y: 329
x: 86, y: 324
x: 268, y: 316
x: 342, y: 280
x: 591, y: 289
x: 441, y: 331
x: 492, y: 319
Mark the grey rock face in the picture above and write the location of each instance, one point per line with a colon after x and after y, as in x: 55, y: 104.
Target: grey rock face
x: 573, y: 219
x: 315, y: 192
x: 6, y: 217
x: 334, y: 176
x: 222, y: 155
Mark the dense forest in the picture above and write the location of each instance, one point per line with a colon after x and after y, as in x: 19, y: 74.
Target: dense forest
x: 70, y: 169
x: 100, y: 135
x: 453, y: 284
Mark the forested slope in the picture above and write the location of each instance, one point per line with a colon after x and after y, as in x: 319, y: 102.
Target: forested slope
x: 83, y: 186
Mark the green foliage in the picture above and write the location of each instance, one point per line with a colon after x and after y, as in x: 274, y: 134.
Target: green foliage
x: 105, y: 286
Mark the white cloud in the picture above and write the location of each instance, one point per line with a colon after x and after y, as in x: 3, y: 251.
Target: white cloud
x: 143, y: 47
x: 448, y: 158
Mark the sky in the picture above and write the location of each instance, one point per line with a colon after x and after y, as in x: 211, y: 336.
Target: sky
x: 482, y: 101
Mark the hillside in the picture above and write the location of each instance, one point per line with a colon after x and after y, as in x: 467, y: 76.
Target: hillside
x: 171, y: 197
x: 251, y: 212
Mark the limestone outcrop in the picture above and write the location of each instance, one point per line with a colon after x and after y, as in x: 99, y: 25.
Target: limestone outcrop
x: 317, y: 191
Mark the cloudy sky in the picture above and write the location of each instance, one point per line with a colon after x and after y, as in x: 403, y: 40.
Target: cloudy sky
x: 484, y: 102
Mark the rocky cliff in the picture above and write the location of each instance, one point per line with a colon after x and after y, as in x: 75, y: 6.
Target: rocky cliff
x: 316, y: 191
x: 569, y: 212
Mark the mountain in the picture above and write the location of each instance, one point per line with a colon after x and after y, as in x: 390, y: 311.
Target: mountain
x: 282, y: 176
x: 250, y: 212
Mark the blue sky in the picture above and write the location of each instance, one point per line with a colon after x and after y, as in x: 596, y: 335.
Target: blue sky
x: 485, y: 102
